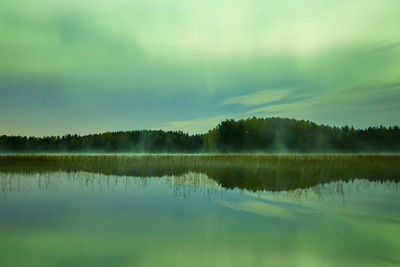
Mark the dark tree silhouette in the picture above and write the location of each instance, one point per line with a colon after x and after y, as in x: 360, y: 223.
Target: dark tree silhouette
x: 267, y: 135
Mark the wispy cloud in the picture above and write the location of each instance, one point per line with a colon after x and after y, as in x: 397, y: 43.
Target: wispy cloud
x: 196, y: 126
x: 362, y: 106
x: 258, y: 98
x: 382, y: 46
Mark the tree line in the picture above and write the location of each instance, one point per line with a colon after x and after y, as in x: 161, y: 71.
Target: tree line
x: 264, y: 135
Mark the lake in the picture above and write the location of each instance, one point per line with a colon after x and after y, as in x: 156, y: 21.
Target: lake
x: 199, y: 210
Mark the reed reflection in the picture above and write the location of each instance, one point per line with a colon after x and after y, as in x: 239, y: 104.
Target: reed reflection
x: 181, y: 186
x: 250, y: 172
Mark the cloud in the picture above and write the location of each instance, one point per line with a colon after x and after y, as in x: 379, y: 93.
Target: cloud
x: 131, y: 63
x: 362, y: 106
x: 382, y: 46
x: 194, y: 126
x: 258, y: 98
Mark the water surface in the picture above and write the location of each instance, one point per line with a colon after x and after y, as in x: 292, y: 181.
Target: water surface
x: 188, y: 218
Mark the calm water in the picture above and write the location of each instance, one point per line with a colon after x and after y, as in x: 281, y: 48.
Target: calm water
x: 59, y: 218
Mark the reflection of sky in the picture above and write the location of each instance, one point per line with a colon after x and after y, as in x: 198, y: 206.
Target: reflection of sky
x: 141, y: 221
x: 92, y: 66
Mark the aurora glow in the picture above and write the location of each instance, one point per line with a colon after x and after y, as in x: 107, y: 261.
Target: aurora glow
x: 93, y: 66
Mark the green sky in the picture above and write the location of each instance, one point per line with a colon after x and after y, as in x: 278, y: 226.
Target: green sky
x: 92, y: 66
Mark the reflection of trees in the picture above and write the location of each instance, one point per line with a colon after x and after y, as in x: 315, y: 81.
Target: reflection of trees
x: 336, y: 190
x: 251, y: 172
x: 181, y: 186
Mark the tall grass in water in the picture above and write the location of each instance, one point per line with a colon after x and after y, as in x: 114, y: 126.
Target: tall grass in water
x: 252, y: 172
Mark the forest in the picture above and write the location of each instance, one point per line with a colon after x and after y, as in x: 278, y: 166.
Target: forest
x: 252, y: 135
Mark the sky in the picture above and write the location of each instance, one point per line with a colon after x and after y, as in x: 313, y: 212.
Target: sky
x: 90, y: 66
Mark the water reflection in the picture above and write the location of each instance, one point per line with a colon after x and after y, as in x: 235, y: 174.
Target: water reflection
x: 69, y: 213
x: 181, y: 186
x: 250, y: 172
